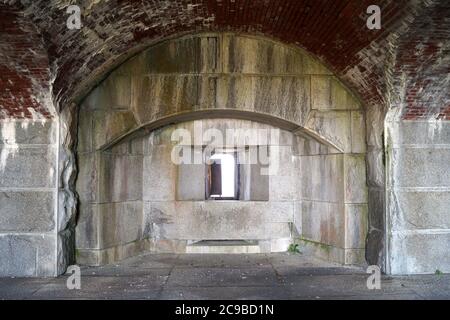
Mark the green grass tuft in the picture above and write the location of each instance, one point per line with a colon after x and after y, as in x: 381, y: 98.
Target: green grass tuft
x: 293, y: 248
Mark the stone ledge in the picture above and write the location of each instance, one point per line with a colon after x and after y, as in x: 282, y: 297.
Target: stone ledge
x: 332, y: 253
x: 94, y: 257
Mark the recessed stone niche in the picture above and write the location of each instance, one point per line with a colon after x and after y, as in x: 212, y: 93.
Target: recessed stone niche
x: 134, y: 199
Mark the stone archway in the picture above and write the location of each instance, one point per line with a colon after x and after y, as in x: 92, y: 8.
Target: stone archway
x: 408, y: 217
x: 236, y: 77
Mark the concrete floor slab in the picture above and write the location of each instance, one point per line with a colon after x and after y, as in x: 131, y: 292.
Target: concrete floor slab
x: 223, y: 260
x: 247, y: 276
x: 293, y: 260
x: 104, y: 287
x: 223, y: 277
x: 226, y: 293
x: 150, y: 261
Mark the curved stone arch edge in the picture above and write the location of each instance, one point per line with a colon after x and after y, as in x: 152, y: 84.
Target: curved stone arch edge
x: 222, y: 114
x: 109, y: 68
x: 86, y: 87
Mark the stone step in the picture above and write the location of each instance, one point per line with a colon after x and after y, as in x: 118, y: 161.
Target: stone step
x: 224, y: 247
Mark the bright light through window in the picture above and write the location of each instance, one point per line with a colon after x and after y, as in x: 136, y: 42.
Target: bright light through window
x: 227, y: 166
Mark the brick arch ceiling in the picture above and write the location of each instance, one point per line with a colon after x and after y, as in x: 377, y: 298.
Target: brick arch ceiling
x: 405, y: 64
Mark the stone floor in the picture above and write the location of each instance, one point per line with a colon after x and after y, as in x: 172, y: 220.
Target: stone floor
x: 252, y: 276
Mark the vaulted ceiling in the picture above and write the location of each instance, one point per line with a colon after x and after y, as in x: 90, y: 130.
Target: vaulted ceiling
x: 44, y: 65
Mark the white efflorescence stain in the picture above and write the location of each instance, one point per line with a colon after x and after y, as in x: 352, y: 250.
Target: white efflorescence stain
x: 10, y: 148
x: 8, y: 134
x: 434, y: 126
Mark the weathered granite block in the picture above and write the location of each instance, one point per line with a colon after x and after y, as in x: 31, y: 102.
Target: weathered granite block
x: 27, y: 255
x: 217, y: 220
x: 283, y: 97
x: 322, y: 177
x: 375, y: 117
x: 279, y: 212
x: 13, y: 263
x: 315, y: 217
x: 355, y: 179
x: 31, y: 211
x: 329, y: 94
x: 376, y: 205
x: 298, y: 214
x: 356, y: 226
x: 120, y: 178
x: 28, y: 167
x: 323, y: 222
x: 424, y: 252
x: 355, y: 257
x: 191, y: 182
x: 304, y: 146
x: 333, y: 126
x: 259, y: 184
x: 28, y: 131
x: 110, y: 125
x: 183, y: 56
x: 375, y: 167
x: 113, y: 93
x: 87, y: 233
x: 85, y: 130
x: 160, y: 174
x: 432, y: 132
x: 420, y: 210
x: 120, y: 223
x: 156, y: 96
x: 421, y: 167
x: 312, y: 66
x: 252, y: 56
x: 282, y: 188
x: 358, y: 129
x: 88, y: 176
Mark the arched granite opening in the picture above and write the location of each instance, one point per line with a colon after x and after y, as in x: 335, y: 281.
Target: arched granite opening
x: 400, y: 73
x: 236, y: 81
